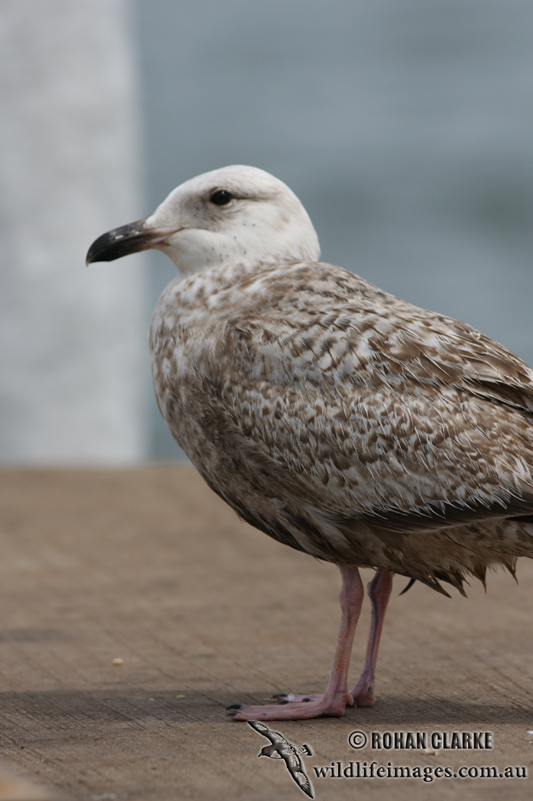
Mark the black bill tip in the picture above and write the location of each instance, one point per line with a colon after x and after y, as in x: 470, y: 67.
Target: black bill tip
x: 127, y: 239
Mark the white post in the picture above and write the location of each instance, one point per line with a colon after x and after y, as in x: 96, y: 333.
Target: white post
x: 72, y: 340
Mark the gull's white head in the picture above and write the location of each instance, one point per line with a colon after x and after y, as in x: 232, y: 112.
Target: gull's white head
x: 235, y: 215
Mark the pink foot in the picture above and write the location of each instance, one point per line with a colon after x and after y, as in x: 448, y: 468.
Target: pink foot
x: 299, y: 707
x: 363, y: 692
x: 334, y: 700
x: 284, y: 698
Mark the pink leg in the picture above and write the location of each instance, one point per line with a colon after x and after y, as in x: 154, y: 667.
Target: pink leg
x: 334, y: 700
x: 379, y: 591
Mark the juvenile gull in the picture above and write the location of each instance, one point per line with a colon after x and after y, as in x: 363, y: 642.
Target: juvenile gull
x: 334, y: 417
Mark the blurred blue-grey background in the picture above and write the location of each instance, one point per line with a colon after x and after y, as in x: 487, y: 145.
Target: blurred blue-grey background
x: 405, y: 128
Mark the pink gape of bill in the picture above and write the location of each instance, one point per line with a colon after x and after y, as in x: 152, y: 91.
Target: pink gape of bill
x: 334, y: 417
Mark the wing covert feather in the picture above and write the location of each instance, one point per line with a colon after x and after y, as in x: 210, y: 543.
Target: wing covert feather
x: 376, y: 408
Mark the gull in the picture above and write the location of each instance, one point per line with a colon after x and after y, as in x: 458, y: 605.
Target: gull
x: 334, y: 417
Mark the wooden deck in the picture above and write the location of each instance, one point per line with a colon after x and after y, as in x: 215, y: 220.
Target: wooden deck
x: 147, y: 566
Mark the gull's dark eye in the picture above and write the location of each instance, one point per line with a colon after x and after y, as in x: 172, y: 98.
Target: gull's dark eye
x: 221, y: 198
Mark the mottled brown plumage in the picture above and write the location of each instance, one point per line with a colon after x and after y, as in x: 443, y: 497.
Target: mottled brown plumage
x: 333, y: 416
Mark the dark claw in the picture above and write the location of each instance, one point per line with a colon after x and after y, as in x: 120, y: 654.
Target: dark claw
x: 231, y: 714
x: 233, y: 706
x: 280, y: 695
x: 283, y: 701
x: 306, y: 699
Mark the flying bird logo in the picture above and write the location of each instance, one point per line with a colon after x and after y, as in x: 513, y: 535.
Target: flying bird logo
x: 281, y: 748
